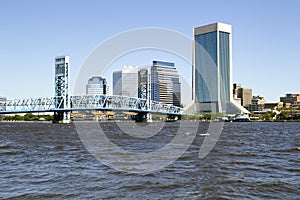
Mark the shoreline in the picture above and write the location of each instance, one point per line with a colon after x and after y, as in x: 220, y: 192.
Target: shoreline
x: 153, y: 121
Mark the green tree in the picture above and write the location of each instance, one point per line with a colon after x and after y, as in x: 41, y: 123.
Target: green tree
x: 267, y: 116
x: 283, y: 115
x: 28, y: 117
x: 18, y: 118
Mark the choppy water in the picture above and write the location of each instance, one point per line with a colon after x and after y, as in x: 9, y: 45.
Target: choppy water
x: 250, y: 161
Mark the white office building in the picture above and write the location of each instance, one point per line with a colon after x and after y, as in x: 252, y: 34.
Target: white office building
x: 96, y: 86
x: 125, y: 81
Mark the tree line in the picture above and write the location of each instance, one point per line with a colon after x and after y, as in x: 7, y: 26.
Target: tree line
x: 27, y: 117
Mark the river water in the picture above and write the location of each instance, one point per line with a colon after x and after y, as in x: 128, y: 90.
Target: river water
x: 250, y: 161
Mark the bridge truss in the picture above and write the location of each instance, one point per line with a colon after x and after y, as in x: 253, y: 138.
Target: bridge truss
x: 78, y: 103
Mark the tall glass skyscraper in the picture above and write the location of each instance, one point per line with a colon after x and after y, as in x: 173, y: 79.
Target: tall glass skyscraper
x: 212, y: 80
x: 212, y: 71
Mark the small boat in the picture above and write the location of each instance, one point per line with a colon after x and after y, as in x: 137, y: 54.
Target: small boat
x: 241, y: 118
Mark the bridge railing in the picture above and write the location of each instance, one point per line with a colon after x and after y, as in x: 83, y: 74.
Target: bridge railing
x: 107, y: 102
x: 86, y: 102
x: 165, y: 108
x: 26, y: 105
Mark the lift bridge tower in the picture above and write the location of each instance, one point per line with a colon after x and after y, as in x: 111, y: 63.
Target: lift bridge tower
x: 144, y: 92
x: 62, y: 97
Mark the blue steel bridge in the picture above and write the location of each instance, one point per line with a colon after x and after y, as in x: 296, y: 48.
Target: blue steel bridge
x: 85, y: 103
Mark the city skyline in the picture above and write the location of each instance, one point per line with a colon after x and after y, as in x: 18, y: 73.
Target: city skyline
x: 263, y: 58
x: 158, y: 82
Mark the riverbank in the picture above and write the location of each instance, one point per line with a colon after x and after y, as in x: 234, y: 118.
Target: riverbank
x: 183, y: 120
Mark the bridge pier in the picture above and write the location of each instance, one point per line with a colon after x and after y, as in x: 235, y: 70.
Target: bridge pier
x: 62, y: 118
x: 141, y: 117
x: 173, y: 118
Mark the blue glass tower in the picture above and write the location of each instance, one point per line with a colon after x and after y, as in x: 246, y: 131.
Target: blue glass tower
x: 212, y: 79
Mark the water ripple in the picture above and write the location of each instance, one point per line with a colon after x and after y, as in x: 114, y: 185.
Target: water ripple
x: 250, y: 161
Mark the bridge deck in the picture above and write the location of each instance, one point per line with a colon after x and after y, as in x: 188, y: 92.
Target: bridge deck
x: 82, y: 103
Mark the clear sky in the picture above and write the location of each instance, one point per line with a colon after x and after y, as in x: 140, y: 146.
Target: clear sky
x: 266, y: 45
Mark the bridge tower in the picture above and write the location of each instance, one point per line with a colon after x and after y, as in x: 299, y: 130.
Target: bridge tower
x: 62, y: 97
x: 144, y: 92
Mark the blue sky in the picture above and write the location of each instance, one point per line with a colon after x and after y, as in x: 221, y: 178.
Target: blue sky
x: 266, y: 43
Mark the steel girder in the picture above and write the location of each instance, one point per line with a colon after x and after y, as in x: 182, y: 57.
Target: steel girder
x: 29, y: 105
x: 97, y: 102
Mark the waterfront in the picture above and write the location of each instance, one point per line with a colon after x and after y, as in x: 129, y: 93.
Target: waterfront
x: 250, y: 161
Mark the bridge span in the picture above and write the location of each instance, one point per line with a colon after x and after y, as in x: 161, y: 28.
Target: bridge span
x: 89, y: 103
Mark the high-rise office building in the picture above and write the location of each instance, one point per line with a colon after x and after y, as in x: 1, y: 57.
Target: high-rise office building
x: 117, y: 82
x: 160, y: 82
x: 96, y: 86
x: 130, y: 81
x: 125, y: 81
x: 212, y: 71
x: 243, y: 94
x: 165, y: 85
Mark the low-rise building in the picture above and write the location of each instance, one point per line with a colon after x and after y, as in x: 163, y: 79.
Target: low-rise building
x: 290, y: 98
x: 271, y: 105
x: 257, y: 104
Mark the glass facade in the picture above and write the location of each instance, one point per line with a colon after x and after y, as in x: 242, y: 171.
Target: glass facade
x: 130, y: 81
x: 206, y: 82
x: 212, y: 83
x: 117, y: 82
x: 224, y: 66
x: 125, y: 81
x: 165, y: 85
x: 212, y: 67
